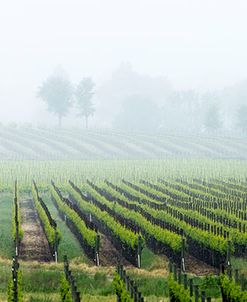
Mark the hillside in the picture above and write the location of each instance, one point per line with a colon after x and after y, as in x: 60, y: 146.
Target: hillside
x: 62, y: 144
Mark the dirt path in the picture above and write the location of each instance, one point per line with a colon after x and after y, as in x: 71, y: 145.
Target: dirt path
x: 199, y: 268
x: 109, y: 256
x: 34, y: 245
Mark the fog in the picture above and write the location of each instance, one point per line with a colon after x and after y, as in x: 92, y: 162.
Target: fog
x: 184, y: 60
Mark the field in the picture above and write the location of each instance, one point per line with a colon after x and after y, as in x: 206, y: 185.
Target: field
x: 20, y: 143
x: 144, y: 213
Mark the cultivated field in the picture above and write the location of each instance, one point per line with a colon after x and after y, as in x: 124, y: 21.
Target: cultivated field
x: 140, y: 214
x: 45, y: 143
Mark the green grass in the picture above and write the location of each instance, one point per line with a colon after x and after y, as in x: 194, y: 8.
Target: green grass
x: 150, y: 261
x: 37, y: 280
x: 240, y: 264
x: 68, y: 245
x: 40, y: 297
x: 42, y: 283
x: 6, y: 241
x: 5, y: 275
x: 149, y: 286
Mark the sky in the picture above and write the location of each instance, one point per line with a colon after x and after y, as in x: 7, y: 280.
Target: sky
x: 196, y: 44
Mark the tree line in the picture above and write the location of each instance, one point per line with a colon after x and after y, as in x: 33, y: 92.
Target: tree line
x: 60, y: 95
x: 131, y: 101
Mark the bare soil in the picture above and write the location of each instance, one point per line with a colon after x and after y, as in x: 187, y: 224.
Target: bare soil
x: 108, y: 254
x: 34, y: 246
x: 199, y: 268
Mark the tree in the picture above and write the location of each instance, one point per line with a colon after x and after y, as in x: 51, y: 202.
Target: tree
x: 242, y: 118
x: 84, y: 93
x: 139, y: 113
x: 181, y: 112
x: 212, y: 119
x: 57, y: 92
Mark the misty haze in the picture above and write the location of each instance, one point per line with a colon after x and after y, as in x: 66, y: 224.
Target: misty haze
x: 123, y: 148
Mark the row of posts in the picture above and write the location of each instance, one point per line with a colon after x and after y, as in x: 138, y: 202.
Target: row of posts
x: 17, y: 238
x: 15, y: 272
x: 234, y: 274
x: 97, y: 245
x: 52, y: 222
x: 188, y: 284
x: 71, y: 281
x: 131, y: 287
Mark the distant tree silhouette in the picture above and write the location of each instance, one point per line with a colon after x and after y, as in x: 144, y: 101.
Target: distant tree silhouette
x: 212, y: 118
x: 56, y: 91
x: 84, y: 93
x: 242, y: 118
x: 139, y: 113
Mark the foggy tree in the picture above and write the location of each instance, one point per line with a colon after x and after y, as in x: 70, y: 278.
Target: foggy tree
x: 138, y: 114
x: 212, y: 118
x: 57, y: 92
x: 124, y: 82
x: 181, y: 111
x: 84, y: 93
x: 242, y: 118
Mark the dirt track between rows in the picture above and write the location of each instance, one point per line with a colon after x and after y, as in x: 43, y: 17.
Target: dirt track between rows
x: 34, y: 245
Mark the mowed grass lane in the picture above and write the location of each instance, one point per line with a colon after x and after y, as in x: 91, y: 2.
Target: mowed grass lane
x: 69, y: 245
x: 6, y: 239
